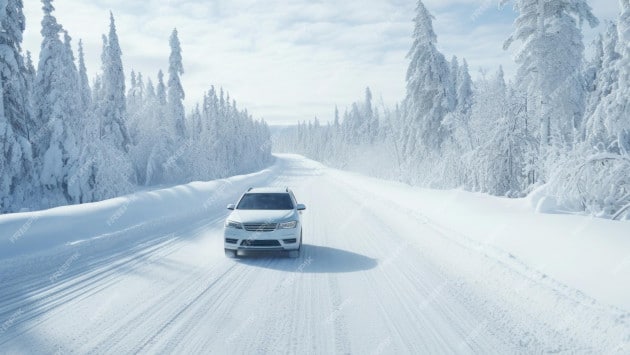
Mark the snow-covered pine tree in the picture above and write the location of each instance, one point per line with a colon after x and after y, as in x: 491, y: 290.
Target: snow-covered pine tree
x: 50, y: 51
x: 605, y: 80
x: 618, y: 111
x: 160, y: 96
x: 57, y: 108
x: 74, y: 122
x: 113, y: 123
x: 150, y: 90
x: 30, y: 75
x: 550, y: 64
x: 463, y: 108
x: 197, y: 124
x: 84, y: 83
x: 488, y: 109
x: 113, y: 141
x: 592, y: 72
x: 135, y: 107
x: 16, y: 159
x: 454, y: 77
x: 352, y: 125
x: 150, y: 135
x: 134, y: 103
x: 161, y: 89
x: 175, y: 89
x: 72, y: 80
x: 14, y: 71
x: 593, y: 177
x: 428, y: 98
x: 371, y: 119
x: 82, y: 183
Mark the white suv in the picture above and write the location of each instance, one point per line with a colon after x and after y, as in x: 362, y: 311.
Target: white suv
x: 264, y: 219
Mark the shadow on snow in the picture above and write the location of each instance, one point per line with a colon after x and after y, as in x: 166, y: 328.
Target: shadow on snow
x: 313, y: 259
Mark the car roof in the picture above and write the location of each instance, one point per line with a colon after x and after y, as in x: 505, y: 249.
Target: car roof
x: 268, y: 189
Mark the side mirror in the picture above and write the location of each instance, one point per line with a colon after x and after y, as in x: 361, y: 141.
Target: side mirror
x: 301, y: 207
x: 231, y: 207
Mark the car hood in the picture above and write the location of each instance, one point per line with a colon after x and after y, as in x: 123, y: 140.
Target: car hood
x: 251, y: 216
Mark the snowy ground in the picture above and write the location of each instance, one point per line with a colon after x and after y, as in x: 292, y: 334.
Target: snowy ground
x: 386, y: 268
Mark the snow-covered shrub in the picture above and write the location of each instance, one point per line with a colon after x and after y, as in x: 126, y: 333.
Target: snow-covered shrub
x: 595, y: 180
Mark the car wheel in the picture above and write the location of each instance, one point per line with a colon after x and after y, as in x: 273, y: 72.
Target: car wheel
x: 300, y: 246
x: 294, y: 254
x: 230, y: 253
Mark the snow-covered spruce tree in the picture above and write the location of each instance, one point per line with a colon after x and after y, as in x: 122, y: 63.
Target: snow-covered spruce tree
x: 134, y: 104
x: 336, y: 123
x: 618, y: 108
x: 161, y: 89
x: 348, y: 143
x: 175, y: 89
x: 501, y: 162
x: 160, y: 141
x: 237, y: 136
x: 604, y: 72
x: 84, y: 83
x: 154, y: 136
x: 30, y: 76
x: 370, y: 123
x: 195, y: 124
x: 454, y: 71
x: 16, y: 159
x: 550, y: 65
x: 56, y: 109
x: 596, y: 176
x: 113, y: 124
x: 175, y: 145
x: 217, y: 125
x: 592, y: 74
x: 458, y: 121
x: 464, y: 91
x: 112, y: 168
x: 82, y: 183
x: 135, y: 111
x: 429, y: 96
x: 160, y: 156
x: 140, y: 131
x: 211, y: 135
x: 352, y: 125
x: 447, y: 168
x: 78, y: 182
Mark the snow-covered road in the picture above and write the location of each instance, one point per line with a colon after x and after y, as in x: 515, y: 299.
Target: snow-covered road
x: 147, y: 274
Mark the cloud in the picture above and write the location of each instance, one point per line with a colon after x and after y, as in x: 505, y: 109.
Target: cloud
x: 284, y: 60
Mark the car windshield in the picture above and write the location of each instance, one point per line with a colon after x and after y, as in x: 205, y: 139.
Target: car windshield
x: 266, y: 201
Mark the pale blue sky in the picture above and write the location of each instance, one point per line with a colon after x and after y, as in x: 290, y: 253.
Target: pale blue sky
x: 288, y: 60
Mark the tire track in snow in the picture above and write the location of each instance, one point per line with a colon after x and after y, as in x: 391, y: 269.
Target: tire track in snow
x: 504, y: 312
x: 44, y: 305
x: 181, y: 310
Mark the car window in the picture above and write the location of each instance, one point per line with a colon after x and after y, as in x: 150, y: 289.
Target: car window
x: 265, y: 201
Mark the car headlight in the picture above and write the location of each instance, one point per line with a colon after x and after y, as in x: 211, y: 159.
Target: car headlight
x: 232, y: 224
x: 287, y: 225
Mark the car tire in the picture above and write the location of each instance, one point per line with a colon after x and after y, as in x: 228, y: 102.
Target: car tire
x: 294, y: 254
x: 230, y: 253
x: 300, y: 246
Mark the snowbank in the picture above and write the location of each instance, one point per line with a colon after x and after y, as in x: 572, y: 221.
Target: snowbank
x: 586, y: 253
x: 31, y: 232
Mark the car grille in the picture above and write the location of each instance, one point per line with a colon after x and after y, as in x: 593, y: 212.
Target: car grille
x: 260, y: 227
x: 260, y: 243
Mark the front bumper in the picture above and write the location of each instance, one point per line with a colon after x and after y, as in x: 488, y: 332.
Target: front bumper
x: 277, y: 240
